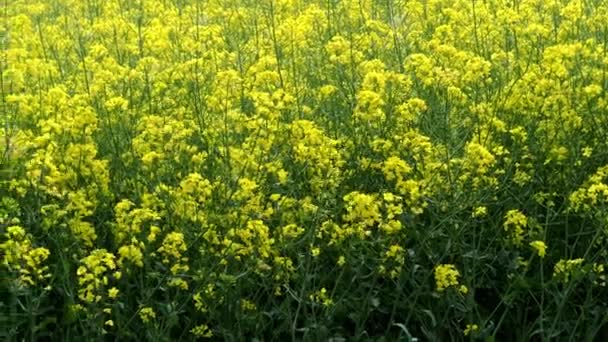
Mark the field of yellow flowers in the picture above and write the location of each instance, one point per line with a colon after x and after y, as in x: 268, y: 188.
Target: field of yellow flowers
x: 305, y: 170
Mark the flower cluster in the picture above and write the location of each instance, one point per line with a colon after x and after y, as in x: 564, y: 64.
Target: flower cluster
x: 94, y: 275
x: 20, y: 257
x: 446, y: 275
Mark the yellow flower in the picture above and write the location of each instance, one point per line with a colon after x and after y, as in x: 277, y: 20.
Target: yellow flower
x: 540, y: 247
x: 131, y: 253
x: 321, y: 297
x: 480, y: 212
x: 446, y: 275
x: 19, y: 255
x: 515, y: 224
x: 463, y: 289
x: 565, y: 269
x: 587, y: 152
x: 173, y: 246
x: 362, y: 208
x: 480, y: 158
x: 154, y: 231
x: 202, y: 331
x: 113, y: 292
x: 395, y: 252
x: 146, y: 314
x: 92, y: 274
x: 471, y: 328
x: 282, y: 175
x: 247, y: 305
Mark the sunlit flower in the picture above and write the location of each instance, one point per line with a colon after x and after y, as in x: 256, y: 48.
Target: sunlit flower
x: 540, y: 247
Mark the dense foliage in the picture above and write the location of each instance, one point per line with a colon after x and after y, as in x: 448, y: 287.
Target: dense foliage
x: 304, y: 169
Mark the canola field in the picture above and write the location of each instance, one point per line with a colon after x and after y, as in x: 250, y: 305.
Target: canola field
x: 303, y: 170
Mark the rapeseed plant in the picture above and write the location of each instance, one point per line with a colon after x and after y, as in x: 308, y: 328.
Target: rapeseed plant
x: 446, y: 276
x: 304, y: 170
